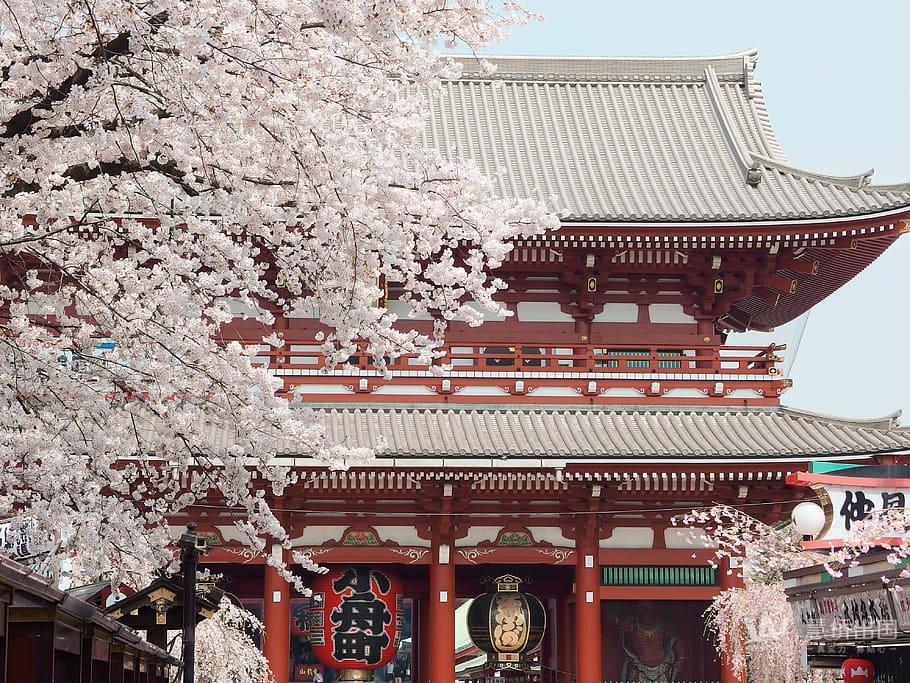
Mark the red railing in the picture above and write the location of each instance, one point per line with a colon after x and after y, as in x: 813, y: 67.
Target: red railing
x: 536, y: 359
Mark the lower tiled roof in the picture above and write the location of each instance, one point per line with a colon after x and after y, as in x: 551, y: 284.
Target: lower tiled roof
x: 595, y: 433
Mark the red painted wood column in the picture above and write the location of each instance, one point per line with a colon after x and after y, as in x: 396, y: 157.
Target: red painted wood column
x: 440, y: 629
x: 733, y: 579
x: 588, y: 667
x: 424, y: 641
x: 565, y: 660
x: 276, y: 617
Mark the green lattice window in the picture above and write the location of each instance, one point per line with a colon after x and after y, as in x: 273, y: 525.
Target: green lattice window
x: 644, y: 575
x: 643, y: 363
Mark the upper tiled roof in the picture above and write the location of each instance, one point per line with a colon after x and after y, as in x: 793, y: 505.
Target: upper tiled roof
x: 598, y: 433
x: 637, y: 140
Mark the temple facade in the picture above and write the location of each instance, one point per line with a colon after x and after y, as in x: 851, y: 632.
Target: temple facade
x: 560, y: 441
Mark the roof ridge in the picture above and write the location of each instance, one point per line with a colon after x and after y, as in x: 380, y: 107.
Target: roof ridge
x: 737, y: 144
x: 860, y: 181
x: 749, y: 52
x: 735, y: 66
x: 885, y: 422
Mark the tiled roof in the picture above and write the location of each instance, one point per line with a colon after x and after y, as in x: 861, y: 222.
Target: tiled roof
x: 570, y: 433
x: 637, y: 140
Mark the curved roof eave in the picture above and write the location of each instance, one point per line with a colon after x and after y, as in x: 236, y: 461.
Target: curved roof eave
x: 665, y: 140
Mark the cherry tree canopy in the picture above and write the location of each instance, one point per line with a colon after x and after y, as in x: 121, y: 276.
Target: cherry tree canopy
x: 163, y: 157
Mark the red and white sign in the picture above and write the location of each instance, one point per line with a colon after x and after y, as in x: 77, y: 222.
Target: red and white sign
x: 858, y: 671
x: 355, y: 617
x: 850, y: 499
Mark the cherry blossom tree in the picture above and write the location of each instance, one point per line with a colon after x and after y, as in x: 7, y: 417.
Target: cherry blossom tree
x: 225, y: 649
x: 165, y: 161
x: 753, y: 626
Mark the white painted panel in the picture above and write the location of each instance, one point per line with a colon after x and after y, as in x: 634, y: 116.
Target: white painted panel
x: 405, y: 389
x: 239, y: 309
x: 482, y: 391
x: 229, y: 533
x: 553, y: 391
x: 476, y: 534
x: 317, y: 535
x: 402, y: 535
x: 618, y: 313
x: 669, y: 313
x: 629, y: 537
x: 686, y: 538
x: 322, y: 389
x: 551, y: 535
x: 684, y: 393
x: 403, y: 310
x: 744, y: 393
x: 542, y: 312
x: 627, y: 392
x: 487, y: 315
x: 304, y: 309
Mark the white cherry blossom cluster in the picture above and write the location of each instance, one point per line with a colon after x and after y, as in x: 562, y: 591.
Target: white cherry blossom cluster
x: 164, y: 160
x: 225, y: 649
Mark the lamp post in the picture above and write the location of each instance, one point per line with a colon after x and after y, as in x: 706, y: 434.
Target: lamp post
x: 809, y: 519
x: 189, y: 558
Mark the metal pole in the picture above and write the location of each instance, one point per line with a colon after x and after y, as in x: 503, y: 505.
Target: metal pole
x: 189, y: 557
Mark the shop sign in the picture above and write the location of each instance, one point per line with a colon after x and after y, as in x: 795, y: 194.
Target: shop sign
x: 21, y: 541
x: 864, y: 615
x: 900, y: 597
x: 805, y: 615
x: 848, y: 500
x: 852, y: 504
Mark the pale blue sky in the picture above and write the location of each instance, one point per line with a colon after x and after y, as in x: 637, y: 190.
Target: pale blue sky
x: 837, y: 80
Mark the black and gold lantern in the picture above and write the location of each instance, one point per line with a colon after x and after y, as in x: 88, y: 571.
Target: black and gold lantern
x: 507, y: 624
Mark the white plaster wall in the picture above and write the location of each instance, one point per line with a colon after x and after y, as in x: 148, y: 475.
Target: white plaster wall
x: 476, y: 534
x: 403, y: 309
x: 685, y: 538
x: 542, y: 312
x: 405, y: 389
x: 402, y: 535
x: 487, y: 315
x: 317, y: 535
x: 669, y: 313
x: 618, y: 313
x: 629, y: 537
x: 552, y: 535
x: 322, y: 389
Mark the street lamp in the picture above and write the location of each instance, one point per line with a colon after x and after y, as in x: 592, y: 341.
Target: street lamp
x: 809, y: 519
x: 190, y: 547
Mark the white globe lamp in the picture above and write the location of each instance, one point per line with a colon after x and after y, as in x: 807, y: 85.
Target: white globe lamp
x: 808, y: 519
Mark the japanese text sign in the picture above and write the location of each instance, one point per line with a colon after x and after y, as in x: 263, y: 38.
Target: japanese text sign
x: 355, y: 617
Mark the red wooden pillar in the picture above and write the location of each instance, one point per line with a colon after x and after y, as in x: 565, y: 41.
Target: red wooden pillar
x: 547, y: 646
x: 421, y: 673
x: 441, y: 621
x: 733, y: 579
x: 565, y: 660
x: 588, y: 667
x: 276, y: 617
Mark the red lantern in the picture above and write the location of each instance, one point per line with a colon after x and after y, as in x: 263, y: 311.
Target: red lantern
x: 858, y: 671
x: 354, y: 621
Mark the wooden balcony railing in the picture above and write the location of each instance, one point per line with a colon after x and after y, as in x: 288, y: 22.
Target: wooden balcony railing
x: 562, y: 371
x: 530, y: 359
